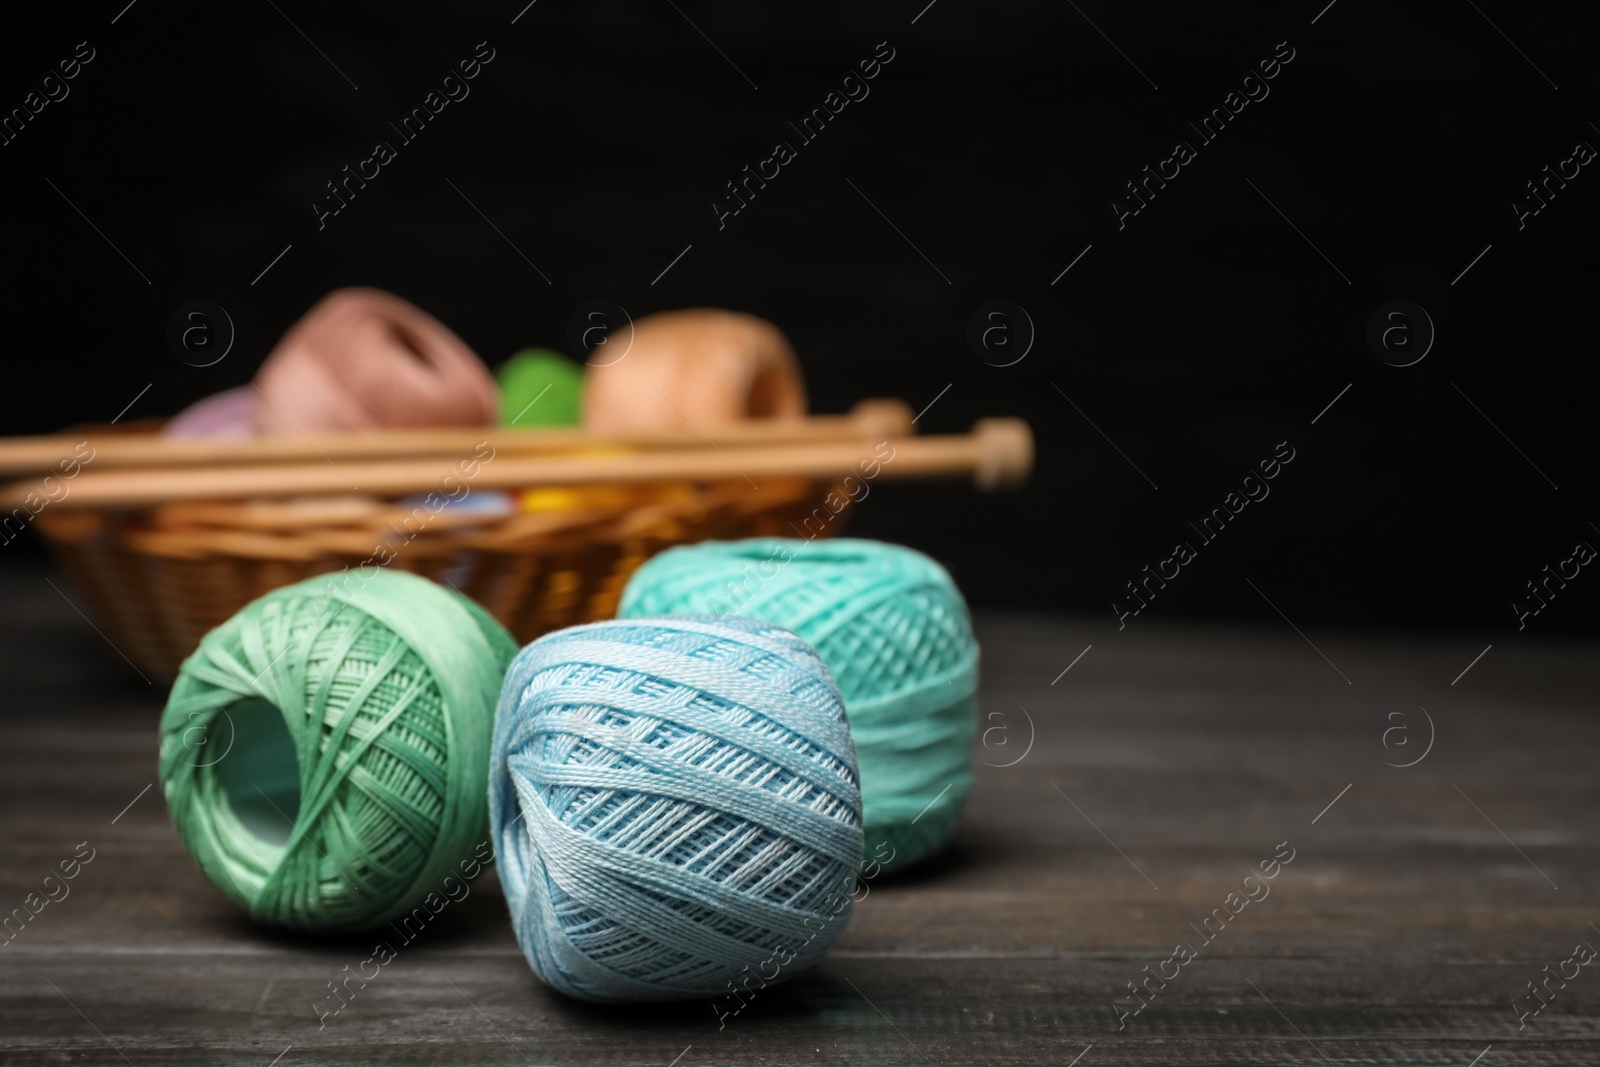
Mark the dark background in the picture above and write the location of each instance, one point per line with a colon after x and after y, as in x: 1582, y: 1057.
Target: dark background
x: 1196, y: 338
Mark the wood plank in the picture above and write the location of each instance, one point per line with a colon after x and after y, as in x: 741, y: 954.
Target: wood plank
x: 1400, y: 933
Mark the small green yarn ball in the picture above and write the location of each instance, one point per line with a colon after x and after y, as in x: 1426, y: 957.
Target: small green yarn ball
x: 896, y: 635
x: 325, y: 751
x: 539, y: 387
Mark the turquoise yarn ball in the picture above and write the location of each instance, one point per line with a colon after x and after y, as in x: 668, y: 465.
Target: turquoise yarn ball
x: 894, y: 631
x: 675, y: 807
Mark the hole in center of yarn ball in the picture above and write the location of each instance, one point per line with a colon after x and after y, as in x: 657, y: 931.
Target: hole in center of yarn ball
x: 260, y: 776
x: 768, y: 392
x: 408, y: 344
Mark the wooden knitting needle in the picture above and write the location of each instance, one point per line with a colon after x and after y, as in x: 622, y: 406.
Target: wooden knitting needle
x: 997, y: 453
x: 26, y: 455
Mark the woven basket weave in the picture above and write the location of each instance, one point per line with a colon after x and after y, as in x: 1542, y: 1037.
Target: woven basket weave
x: 158, y: 578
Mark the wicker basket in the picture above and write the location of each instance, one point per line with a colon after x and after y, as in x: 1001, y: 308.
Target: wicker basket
x: 157, y: 579
x: 156, y: 536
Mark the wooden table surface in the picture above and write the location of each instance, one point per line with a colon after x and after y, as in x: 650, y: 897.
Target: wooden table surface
x: 1165, y: 765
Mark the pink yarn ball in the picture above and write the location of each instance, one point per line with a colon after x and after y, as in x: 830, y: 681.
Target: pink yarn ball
x: 362, y: 359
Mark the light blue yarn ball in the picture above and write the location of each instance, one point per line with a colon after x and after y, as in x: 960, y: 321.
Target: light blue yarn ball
x: 675, y: 806
x: 894, y: 631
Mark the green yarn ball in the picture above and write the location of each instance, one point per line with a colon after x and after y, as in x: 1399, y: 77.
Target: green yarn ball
x: 325, y: 751
x: 895, y: 633
x: 539, y: 387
